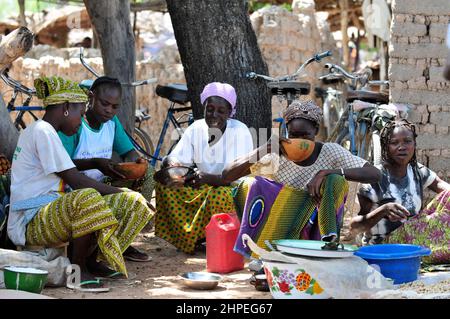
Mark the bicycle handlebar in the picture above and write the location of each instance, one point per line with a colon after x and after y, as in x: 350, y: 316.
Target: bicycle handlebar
x: 316, y: 58
x: 378, y: 82
x: 142, y: 82
x: 362, y: 78
x: 17, y: 86
x: 87, y: 66
x: 134, y: 84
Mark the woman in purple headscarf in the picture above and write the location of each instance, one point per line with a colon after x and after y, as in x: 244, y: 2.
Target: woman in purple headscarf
x: 209, y: 144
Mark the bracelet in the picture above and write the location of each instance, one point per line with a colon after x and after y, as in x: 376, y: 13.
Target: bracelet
x: 342, y: 172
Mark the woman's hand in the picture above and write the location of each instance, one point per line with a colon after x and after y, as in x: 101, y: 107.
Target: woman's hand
x: 394, y: 212
x: 198, y: 179
x: 106, y: 166
x: 313, y: 187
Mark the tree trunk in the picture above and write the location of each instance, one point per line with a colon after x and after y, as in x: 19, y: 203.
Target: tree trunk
x: 111, y: 20
x: 217, y: 43
x: 8, y: 133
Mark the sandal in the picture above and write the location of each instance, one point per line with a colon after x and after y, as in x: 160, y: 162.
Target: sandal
x: 79, y: 287
x: 134, y: 254
x: 117, y: 276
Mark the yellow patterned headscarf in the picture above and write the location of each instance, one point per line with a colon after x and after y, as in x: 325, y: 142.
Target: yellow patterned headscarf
x: 56, y: 90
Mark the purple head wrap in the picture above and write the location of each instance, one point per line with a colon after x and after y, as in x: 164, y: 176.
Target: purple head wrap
x: 223, y: 90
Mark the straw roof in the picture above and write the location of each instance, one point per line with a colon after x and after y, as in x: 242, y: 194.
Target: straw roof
x: 58, y: 23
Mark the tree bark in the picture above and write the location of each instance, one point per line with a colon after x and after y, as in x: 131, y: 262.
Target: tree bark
x: 217, y: 43
x: 14, y: 45
x: 111, y: 21
x: 8, y: 133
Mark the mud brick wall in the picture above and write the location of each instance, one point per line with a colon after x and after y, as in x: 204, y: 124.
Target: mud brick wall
x: 417, y: 58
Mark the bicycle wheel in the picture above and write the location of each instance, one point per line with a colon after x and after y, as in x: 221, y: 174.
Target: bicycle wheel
x: 143, y: 140
x: 375, y: 148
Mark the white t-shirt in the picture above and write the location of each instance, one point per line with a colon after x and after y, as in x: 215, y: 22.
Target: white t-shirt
x: 95, y: 144
x: 193, y: 148
x: 38, y: 156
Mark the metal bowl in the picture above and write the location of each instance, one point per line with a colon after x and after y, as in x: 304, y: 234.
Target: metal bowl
x: 201, y: 280
x: 173, y: 174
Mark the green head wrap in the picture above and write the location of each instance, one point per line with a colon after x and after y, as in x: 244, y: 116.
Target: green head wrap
x: 55, y: 90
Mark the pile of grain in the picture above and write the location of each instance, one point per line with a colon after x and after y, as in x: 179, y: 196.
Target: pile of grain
x: 422, y: 288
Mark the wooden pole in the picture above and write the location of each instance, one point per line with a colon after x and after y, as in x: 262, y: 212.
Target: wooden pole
x: 343, y: 4
x: 22, y: 19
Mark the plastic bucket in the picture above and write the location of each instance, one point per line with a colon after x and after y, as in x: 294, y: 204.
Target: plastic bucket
x: 400, y: 262
x: 290, y: 281
x: 25, y: 278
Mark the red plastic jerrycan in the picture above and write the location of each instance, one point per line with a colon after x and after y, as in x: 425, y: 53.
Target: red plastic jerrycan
x: 221, y: 234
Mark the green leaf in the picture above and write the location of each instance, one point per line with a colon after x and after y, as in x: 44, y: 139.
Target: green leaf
x: 313, y: 281
x: 310, y: 291
x: 275, y: 271
x: 301, y: 270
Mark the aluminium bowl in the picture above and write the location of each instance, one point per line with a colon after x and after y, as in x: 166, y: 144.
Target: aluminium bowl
x: 201, y: 280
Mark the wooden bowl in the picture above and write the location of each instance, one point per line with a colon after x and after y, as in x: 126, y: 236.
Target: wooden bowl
x: 299, y: 149
x: 132, y: 170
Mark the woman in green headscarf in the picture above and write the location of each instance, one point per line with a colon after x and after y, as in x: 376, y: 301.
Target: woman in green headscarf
x: 99, y: 220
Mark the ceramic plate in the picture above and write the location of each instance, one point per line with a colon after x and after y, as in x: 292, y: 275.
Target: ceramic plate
x: 312, y: 248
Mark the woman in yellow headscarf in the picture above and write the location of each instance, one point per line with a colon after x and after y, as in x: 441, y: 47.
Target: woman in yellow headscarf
x: 99, y: 220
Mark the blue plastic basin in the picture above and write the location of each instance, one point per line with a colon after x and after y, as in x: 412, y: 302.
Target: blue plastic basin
x: 400, y: 262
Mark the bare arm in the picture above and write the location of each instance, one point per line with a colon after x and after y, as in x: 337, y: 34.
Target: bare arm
x: 439, y: 185
x: 241, y: 166
x: 366, y: 219
x: 366, y: 174
x: 76, y: 180
x: 105, y: 165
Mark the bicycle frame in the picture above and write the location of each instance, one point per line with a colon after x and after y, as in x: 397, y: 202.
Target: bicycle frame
x: 22, y: 109
x: 170, y: 118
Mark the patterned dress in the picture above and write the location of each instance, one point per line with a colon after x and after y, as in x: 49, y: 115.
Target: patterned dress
x: 275, y: 204
x: 428, y: 227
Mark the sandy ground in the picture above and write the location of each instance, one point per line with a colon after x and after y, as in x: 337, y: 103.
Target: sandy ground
x: 158, y: 278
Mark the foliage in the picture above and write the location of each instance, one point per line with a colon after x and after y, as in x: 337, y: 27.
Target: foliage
x: 254, y: 5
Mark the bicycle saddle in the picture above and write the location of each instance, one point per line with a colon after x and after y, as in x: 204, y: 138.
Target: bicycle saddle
x: 174, y: 92
x: 367, y: 96
x: 332, y: 80
x: 283, y: 87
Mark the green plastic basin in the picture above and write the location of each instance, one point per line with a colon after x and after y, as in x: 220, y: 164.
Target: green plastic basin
x: 25, y: 278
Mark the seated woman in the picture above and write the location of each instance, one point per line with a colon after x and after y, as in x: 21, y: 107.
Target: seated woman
x: 209, y: 144
x: 391, y: 210
x: 99, y: 220
x: 299, y: 200
x: 101, y: 134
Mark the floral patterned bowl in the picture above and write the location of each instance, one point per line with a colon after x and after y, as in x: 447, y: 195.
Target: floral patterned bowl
x: 290, y: 281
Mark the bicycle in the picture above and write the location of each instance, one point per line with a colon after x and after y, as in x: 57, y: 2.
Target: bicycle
x: 366, y: 112
x: 285, y: 87
x: 176, y: 94
x: 19, y: 88
x: 333, y: 103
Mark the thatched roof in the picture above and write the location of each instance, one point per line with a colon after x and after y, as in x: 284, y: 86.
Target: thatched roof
x: 334, y: 13
x: 54, y: 31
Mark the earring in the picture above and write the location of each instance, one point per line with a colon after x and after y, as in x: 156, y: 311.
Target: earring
x: 66, y: 113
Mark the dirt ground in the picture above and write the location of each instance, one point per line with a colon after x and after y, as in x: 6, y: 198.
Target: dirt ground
x: 158, y: 278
